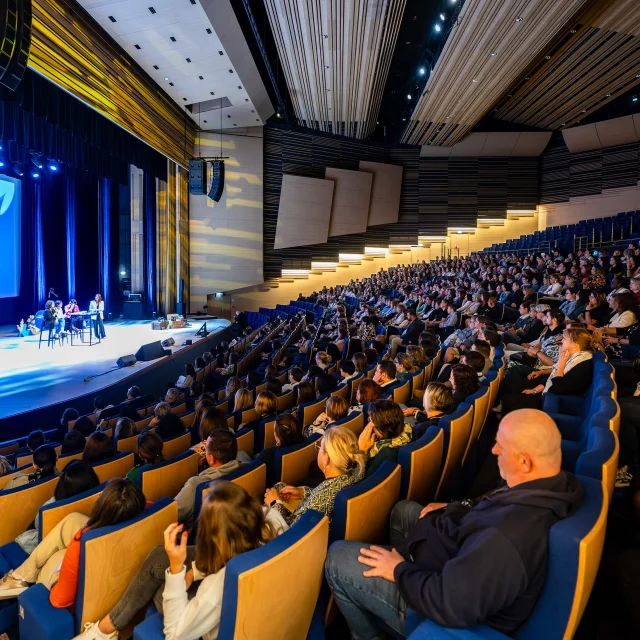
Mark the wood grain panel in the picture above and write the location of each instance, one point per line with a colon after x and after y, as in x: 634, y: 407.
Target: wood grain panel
x: 351, y: 196
x: 304, y: 212
x: 384, y: 206
x: 69, y: 48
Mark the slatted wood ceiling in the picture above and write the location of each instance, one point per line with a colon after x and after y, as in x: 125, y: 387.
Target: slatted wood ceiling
x: 467, y: 80
x: 597, y: 59
x: 336, y: 56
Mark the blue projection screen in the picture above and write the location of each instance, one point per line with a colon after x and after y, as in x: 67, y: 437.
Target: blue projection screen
x: 10, y: 205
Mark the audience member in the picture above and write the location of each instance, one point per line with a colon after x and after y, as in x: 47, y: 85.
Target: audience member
x: 73, y: 442
x: 336, y: 408
x: 85, y: 426
x: 437, y: 402
x: 44, y: 461
x: 99, y: 447
x: 148, y: 453
x: 170, y: 426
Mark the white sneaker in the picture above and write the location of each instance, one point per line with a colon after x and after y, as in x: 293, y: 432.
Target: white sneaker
x: 11, y: 587
x: 91, y: 632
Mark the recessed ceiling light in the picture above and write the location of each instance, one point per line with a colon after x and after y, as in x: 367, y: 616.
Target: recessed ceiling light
x: 494, y: 53
x: 209, y: 30
x: 638, y: 76
x: 257, y: 119
x: 547, y: 57
x: 408, y: 96
x: 584, y: 111
x: 442, y: 16
x: 234, y: 124
x: 519, y: 19
x: 184, y: 99
x: 404, y: 119
x: 438, y: 28
x: 193, y: 1
x: 526, y: 77
x: 137, y: 46
x: 239, y: 87
x: 422, y: 71
x: 564, y: 124
x: 172, y: 39
x: 475, y: 80
x: 167, y: 79
x: 228, y: 116
x: 253, y: 110
x: 152, y: 10
x: 246, y: 99
x: 112, y: 19
x: 573, y: 31
x: 608, y: 95
x: 205, y: 121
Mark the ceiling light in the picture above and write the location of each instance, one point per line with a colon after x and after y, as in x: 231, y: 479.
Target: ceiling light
x: 35, y: 174
x: 17, y: 169
x: 573, y: 30
x: 137, y: 46
x: 123, y: 273
x: 584, y: 111
x: 519, y: 19
x: 167, y: 79
x: 547, y: 57
x: 408, y: 96
x: 634, y: 99
x: 608, y: 95
x: 638, y: 76
x: 53, y: 165
x: 494, y: 53
x: 35, y: 158
x: 188, y: 59
x: 171, y: 84
x: 475, y: 80
x: 404, y: 119
x: 564, y: 124
x: 156, y: 67
x: 459, y: 233
x: 438, y: 28
x: 422, y: 71
x: 442, y: 16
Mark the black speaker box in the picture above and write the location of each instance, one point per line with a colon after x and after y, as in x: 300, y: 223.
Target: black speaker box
x: 15, y: 41
x: 217, y: 184
x: 126, y: 361
x: 151, y: 351
x: 169, y: 342
x: 197, y: 176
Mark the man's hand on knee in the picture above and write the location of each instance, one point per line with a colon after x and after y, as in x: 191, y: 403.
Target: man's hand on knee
x: 382, y: 561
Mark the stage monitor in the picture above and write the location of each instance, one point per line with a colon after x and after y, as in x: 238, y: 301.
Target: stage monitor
x: 10, y: 222
x: 151, y: 351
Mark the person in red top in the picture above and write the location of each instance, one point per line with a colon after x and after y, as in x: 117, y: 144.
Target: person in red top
x: 121, y: 500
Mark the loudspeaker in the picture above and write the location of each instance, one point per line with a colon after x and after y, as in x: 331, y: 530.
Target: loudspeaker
x: 151, y: 351
x: 188, y: 342
x: 217, y: 184
x: 15, y: 41
x: 169, y: 342
x: 197, y: 176
x: 126, y: 361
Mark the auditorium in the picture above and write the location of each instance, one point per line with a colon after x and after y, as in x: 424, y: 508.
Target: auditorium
x: 317, y: 319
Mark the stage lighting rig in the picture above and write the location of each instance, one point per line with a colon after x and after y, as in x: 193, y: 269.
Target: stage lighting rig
x: 36, y: 158
x: 17, y: 169
x: 53, y: 164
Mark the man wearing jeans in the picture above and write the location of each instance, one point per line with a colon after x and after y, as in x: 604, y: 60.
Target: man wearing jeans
x: 481, y: 561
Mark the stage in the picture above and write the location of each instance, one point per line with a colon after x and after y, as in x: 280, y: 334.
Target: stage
x: 32, y: 378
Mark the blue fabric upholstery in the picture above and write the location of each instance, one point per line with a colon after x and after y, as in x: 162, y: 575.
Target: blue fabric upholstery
x: 11, y: 556
x: 404, y: 457
x: 339, y: 519
x: 552, y: 611
x: 152, y: 627
x: 39, y: 619
x: 601, y: 444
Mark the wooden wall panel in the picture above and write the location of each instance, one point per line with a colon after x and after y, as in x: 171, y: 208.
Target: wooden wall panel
x: 386, y: 187
x: 351, y: 196
x: 71, y: 49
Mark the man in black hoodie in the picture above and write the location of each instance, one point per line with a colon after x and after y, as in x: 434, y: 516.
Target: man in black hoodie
x: 481, y: 561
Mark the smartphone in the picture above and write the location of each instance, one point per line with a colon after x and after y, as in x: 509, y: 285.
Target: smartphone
x: 595, y: 252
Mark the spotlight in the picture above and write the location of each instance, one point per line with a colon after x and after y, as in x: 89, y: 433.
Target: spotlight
x: 123, y: 273
x: 17, y: 169
x: 438, y: 28
x: 442, y: 16
x: 36, y: 159
x: 634, y: 99
x: 0, y: 145
x: 35, y: 174
x: 408, y: 96
x: 1, y: 162
x: 53, y: 164
x: 422, y: 71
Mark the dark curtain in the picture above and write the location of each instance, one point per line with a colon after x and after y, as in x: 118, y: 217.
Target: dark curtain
x: 87, y: 240
x: 150, y: 240
x: 70, y: 219
x: 108, y: 213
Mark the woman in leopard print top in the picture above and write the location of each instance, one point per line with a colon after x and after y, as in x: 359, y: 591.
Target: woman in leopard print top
x: 342, y: 464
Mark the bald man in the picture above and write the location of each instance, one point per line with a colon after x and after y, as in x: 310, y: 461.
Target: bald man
x: 464, y: 563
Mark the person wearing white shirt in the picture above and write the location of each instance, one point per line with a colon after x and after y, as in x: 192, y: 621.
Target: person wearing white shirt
x: 230, y: 523
x: 97, y: 306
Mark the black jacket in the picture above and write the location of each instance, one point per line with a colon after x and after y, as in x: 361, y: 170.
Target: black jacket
x: 411, y: 334
x: 575, y: 382
x: 485, y: 564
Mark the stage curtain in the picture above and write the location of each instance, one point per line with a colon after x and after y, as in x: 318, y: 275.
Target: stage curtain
x: 108, y: 246
x: 70, y: 219
x: 166, y: 221
x: 150, y: 240
x: 40, y: 116
x: 183, y: 234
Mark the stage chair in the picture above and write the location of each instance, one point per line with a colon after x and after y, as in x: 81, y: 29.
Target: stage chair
x: 109, y: 559
x: 457, y: 431
x: 116, y: 467
x: 144, y: 423
x: 150, y: 409
x: 23, y: 504
x: 245, y: 439
x: 354, y: 422
x: 248, y: 415
x: 127, y: 444
x: 168, y: 477
x: 179, y: 409
x: 575, y: 550
x: 10, y: 449
x: 187, y: 419
x: 63, y: 461
x: 176, y: 445
x: 421, y: 462
x: 290, y: 565
x: 27, y: 458
x: 599, y: 460
x: 285, y: 401
x: 417, y: 380
x: 291, y: 464
x: 223, y: 405
x: 27, y: 469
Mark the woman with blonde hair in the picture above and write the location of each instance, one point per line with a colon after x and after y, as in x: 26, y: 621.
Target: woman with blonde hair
x: 231, y: 522
x: 232, y: 387
x: 342, y: 464
x: 417, y: 353
x: 436, y: 402
x: 405, y: 366
x: 243, y: 400
x: 361, y: 362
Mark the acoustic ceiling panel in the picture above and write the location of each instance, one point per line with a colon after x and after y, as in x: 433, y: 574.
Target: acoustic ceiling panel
x: 305, y: 211
x: 336, y: 56
x: 489, y: 48
x: 496, y: 144
x: 384, y: 206
x: 351, y: 194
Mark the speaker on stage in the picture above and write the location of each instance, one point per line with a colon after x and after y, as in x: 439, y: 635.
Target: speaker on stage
x: 151, y: 351
x: 217, y: 183
x: 169, y: 342
x: 126, y: 361
x: 197, y: 176
x: 15, y: 41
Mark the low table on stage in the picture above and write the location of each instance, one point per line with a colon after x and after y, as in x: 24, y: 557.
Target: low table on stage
x: 86, y: 320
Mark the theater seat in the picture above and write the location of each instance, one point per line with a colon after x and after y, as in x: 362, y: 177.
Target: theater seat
x: 575, y: 549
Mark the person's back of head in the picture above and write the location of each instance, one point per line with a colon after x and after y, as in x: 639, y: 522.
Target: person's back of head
x: 288, y: 430
x: 172, y: 395
x: 368, y: 391
x: 44, y: 459
x: 347, y: 368
x: 98, y: 403
x: 326, y: 383
x: 306, y: 392
x: 387, y: 369
x: 274, y: 385
x: 231, y: 522
x: 336, y: 408
x: 162, y: 409
x: 437, y: 397
x: 212, y: 419
x: 197, y: 389
x: 233, y: 384
x: 253, y: 379
x: 387, y: 418
x: 77, y: 477
x: 127, y: 411
x: 296, y: 374
x: 73, y: 442
x: 483, y: 347
x: 68, y: 415
x: 313, y: 371
x: 222, y: 446
x: 133, y: 393
x: 266, y: 404
x: 35, y: 439
x: 125, y: 428
x: 5, y: 466
x: 99, y: 447
x: 340, y: 445
x: 528, y: 446
x: 475, y: 360
x: 270, y: 372
x: 242, y: 400
x: 492, y: 337
x: 84, y: 426
x: 149, y: 448
x: 169, y: 426
x: 120, y: 501
x: 371, y: 355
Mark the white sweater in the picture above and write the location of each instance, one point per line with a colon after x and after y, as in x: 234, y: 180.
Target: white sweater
x: 199, y: 617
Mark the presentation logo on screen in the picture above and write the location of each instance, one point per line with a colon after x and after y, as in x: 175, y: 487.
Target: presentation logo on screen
x: 7, y: 192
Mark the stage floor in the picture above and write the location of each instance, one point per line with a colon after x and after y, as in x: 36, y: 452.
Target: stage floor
x: 32, y: 378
